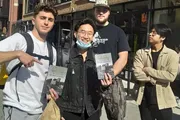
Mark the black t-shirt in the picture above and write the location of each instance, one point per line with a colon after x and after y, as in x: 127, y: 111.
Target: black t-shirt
x: 150, y: 90
x: 110, y: 39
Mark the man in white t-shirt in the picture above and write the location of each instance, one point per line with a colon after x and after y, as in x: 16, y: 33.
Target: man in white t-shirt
x: 23, y: 95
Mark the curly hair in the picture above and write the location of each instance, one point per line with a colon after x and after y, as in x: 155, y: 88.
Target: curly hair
x: 46, y: 8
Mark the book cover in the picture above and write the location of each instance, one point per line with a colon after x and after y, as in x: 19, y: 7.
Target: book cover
x: 104, y: 64
x: 56, y: 77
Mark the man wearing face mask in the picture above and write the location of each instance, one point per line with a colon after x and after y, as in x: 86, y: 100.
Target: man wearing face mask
x: 83, y: 45
x: 81, y: 98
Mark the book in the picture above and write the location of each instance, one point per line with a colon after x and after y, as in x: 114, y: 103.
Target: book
x: 104, y: 65
x: 55, y: 78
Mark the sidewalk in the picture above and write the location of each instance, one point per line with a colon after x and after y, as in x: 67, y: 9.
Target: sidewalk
x: 132, y: 110
x: 176, y: 113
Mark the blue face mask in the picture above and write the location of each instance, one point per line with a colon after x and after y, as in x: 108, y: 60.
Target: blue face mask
x: 82, y: 45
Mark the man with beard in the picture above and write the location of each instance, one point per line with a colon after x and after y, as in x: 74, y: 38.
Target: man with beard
x: 110, y: 39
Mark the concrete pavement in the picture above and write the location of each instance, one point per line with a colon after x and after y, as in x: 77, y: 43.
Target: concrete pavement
x: 132, y: 111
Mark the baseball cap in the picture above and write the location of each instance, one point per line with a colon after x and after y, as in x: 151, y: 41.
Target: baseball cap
x: 102, y: 3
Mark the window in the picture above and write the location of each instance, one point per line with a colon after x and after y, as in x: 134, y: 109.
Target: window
x: 166, y: 3
x: 30, y: 4
x: 171, y: 18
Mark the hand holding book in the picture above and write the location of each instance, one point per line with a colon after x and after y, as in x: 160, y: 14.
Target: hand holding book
x: 53, y: 94
x: 107, y: 80
x: 55, y: 80
x: 104, y: 65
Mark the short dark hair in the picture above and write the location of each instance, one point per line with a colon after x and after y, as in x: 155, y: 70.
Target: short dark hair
x: 85, y: 21
x: 163, y: 30
x: 46, y: 8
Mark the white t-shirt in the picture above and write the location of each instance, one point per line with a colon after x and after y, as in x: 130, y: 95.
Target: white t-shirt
x: 30, y: 81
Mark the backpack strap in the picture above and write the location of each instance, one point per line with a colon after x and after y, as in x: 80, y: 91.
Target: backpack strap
x: 29, y: 50
x: 29, y: 41
x: 50, y: 51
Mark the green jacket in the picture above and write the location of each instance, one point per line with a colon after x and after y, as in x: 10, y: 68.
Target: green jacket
x: 167, y: 67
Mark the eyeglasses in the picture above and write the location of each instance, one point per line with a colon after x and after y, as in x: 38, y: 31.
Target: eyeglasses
x: 153, y: 33
x: 89, y: 34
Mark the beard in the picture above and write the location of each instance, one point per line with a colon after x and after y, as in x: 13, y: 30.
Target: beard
x: 101, y: 22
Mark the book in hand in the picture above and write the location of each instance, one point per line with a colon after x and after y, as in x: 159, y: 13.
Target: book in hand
x: 56, y: 77
x: 104, y: 65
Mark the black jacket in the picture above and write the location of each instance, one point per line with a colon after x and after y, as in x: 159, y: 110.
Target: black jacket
x: 82, y: 88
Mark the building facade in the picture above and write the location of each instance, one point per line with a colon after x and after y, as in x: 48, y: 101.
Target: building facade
x: 4, y: 13
x: 134, y: 16
x: 15, y: 14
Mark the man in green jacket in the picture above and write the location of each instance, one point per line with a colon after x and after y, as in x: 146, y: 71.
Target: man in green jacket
x: 154, y: 68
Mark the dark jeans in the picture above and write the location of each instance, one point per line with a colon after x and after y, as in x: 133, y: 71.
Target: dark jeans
x: 79, y: 116
x: 151, y: 112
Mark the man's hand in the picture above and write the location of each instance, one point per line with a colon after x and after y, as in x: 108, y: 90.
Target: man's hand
x: 62, y: 118
x: 107, y: 80
x: 27, y: 59
x: 145, y: 70
x: 53, y: 94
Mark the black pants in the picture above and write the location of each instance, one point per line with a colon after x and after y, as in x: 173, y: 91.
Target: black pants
x: 151, y: 112
x: 79, y: 116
